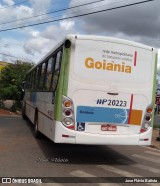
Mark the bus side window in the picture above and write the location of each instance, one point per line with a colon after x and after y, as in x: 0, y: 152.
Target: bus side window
x: 30, y: 83
x: 58, y: 60
x: 33, y: 79
x: 45, y: 77
x: 42, y: 76
x: 38, y: 77
x: 28, y: 79
x: 49, y: 73
x: 56, y: 70
x: 26, y: 83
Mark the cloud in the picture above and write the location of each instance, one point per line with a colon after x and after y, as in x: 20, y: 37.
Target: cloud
x: 23, y: 12
x: 139, y: 21
x: 9, y: 2
x: 35, y: 45
x: 67, y: 25
x: 51, y: 32
x: 13, y: 14
x: 13, y: 52
x: 42, y: 42
x: 41, y: 6
x: 20, y: 12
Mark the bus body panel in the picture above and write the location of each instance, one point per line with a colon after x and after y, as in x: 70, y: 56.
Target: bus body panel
x: 95, y: 108
x: 108, y: 79
x: 110, y: 83
x: 42, y: 103
x: 134, y: 139
x: 63, y: 135
x: 30, y: 109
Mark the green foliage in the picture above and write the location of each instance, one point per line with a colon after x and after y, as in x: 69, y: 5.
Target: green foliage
x: 10, y: 92
x: 11, y: 78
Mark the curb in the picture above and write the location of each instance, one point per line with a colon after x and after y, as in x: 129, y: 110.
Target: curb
x: 5, y: 115
x: 151, y: 147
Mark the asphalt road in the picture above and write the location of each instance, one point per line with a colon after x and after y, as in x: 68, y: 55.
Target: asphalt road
x: 21, y: 155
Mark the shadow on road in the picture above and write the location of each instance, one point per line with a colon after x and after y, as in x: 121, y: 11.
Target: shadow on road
x: 78, y: 154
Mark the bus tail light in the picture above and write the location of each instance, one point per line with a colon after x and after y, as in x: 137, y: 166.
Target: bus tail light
x: 67, y: 103
x: 68, y: 121
x: 147, y: 119
x: 68, y: 113
x: 149, y: 110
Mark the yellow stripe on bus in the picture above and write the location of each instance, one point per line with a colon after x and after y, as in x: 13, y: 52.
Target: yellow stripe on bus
x: 136, y: 116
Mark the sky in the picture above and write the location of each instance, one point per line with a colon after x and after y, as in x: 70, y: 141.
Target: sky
x: 139, y: 23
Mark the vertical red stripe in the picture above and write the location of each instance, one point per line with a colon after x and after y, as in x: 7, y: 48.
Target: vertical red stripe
x: 130, y: 110
x: 135, y: 58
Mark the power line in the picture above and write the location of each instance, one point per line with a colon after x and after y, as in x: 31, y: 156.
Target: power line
x: 14, y: 4
x: 60, y: 10
x: 36, y: 21
x: 50, y: 19
x: 76, y: 16
x: 15, y: 57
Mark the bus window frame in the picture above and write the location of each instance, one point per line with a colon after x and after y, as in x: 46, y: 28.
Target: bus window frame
x: 50, y: 60
x: 38, y: 70
x: 45, y: 75
x: 39, y: 75
x: 43, y: 71
x: 59, y: 68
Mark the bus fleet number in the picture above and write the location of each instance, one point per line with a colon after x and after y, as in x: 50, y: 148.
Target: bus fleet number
x: 117, y: 103
x: 109, y: 102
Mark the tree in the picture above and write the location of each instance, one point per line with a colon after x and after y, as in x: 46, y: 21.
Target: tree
x: 11, y: 78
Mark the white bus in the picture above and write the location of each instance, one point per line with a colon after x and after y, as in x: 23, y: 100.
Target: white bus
x: 93, y: 90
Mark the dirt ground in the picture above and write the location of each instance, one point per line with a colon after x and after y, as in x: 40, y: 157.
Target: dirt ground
x: 7, y: 112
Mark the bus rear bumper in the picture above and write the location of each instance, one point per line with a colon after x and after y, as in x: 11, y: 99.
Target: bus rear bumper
x: 132, y: 139
x: 64, y: 135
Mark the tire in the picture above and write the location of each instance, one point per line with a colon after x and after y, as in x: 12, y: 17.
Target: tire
x: 24, y: 111
x: 37, y: 134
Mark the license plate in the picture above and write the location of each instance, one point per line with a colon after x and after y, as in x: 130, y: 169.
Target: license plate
x: 108, y: 127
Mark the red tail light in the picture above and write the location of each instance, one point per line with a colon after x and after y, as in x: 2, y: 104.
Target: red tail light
x: 68, y: 113
x: 142, y: 130
x: 147, y: 119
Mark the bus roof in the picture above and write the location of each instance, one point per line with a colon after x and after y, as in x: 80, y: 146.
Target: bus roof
x: 109, y: 39
x: 72, y: 37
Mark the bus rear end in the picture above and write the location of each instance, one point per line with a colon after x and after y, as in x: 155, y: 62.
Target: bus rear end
x: 110, y: 94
